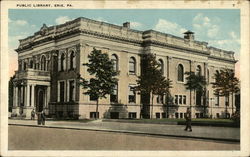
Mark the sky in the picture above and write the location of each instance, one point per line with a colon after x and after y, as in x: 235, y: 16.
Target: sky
x: 218, y: 27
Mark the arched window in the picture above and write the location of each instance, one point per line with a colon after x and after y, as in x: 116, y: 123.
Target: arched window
x: 161, y: 66
x: 198, y: 70
x: 132, y: 65
x: 24, y: 65
x: 114, y: 59
x: 43, y: 63
x: 62, y: 62
x: 72, y: 60
x: 180, y: 73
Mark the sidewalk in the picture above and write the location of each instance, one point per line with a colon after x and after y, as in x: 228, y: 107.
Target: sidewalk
x: 199, y: 132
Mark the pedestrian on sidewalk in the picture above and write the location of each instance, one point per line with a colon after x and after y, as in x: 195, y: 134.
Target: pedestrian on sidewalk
x: 188, y: 120
x: 43, y: 118
x: 33, y: 114
x: 38, y: 118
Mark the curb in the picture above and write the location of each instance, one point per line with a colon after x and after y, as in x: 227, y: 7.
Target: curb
x: 132, y: 132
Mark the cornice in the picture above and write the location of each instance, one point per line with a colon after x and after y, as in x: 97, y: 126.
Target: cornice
x: 222, y: 59
x: 175, y: 47
x: 142, y: 43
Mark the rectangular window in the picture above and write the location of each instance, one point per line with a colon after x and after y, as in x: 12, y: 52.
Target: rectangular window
x: 180, y: 99
x: 71, y: 90
x: 160, y: 99
x: 184, y: 99
x: 181, y: 115
x: 62, y: 90
x: 217, y: 101
x: 197, y: 115
x: 226, y: 100
x: 176, y: 100
x: 217, y: 115
x: 176, y: 115
x: 158, y: 115
x: 93, y: 115
x: 132, y: 95
x: 114, y: 95
x: 132, y: 115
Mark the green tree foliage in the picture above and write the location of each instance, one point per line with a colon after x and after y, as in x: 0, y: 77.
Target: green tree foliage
x: 195, y: 83
x: 104, y: 76
x: 152, y: 80
x: 226, y: 83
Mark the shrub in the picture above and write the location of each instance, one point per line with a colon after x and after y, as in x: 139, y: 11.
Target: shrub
x: 13, y: 114
x: 236, y: 117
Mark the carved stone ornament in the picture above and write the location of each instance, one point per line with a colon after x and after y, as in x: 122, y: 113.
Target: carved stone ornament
x: 43, y: 29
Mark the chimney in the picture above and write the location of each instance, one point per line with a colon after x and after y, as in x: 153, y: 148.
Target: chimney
x: 126, y: 24
x: 189, y: 35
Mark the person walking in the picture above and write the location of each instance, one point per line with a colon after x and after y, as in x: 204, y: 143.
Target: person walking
x: 33, y: 114
x: 188, y: 120
x: 43, y: 118
x: 38, y: 118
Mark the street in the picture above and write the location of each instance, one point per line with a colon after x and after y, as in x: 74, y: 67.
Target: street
x: 39, y: 138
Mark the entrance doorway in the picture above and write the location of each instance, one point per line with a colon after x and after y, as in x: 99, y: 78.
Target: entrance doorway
x: 114, y: 115
x: 40, y: 100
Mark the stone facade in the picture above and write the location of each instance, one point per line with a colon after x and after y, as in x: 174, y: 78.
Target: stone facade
x: 51, y: 59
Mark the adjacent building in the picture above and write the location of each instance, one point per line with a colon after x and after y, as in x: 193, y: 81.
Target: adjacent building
x: 51, y: 59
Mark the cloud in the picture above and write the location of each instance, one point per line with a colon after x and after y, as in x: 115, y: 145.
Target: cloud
x: 18, y: 22
x: 205, y: 26
x: 226, y: 44
x: 169, y: 27
x: 212, y: 31
x: 14, y: 40
x: 135, y: 25
x: 232, y: 34
x: 62, y: 19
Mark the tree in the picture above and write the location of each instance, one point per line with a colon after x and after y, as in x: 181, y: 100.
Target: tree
x: 226, y: 83
x: 196, y: 83
x: 104, y: 80
x: 152, y: 81
x: 11, y: 88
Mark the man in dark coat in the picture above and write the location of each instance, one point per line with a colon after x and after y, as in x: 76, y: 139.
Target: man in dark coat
x: 188, y: 120
x: 39, y: 118
x: 43, y: 117
x: 33, y: 114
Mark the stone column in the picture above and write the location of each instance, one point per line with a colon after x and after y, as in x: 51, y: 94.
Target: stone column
x: 17, y: 96
x: 32, y: 95
x: 27, y: 95
x: 14, y: 96
x: 48, y: 96
x: 21, y: 95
